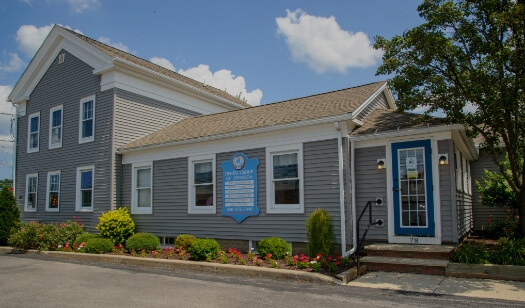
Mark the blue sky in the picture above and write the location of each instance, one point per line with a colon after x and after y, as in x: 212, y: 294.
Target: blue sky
x: 268, y: 51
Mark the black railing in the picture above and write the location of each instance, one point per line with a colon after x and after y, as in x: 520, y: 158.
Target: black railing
x: 360, y: 242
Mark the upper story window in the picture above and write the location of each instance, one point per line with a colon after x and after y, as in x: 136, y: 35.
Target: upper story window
x: 284, y: 179
x: 141, y: 202
x: 33, y: 132
x: 31, y: 192
x: 201, y: 183
x: 55, y: 127
x: 53, y: 191
x: 87, y: 120
x: 85, y: 188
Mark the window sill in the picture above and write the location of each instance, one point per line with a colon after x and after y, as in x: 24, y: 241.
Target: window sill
x: 86, y: 140
x: 201, y: 211
x: 279, y: 210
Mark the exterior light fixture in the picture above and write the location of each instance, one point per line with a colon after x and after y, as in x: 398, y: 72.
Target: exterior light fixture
x: 381, y: 164
x: 443, y: 159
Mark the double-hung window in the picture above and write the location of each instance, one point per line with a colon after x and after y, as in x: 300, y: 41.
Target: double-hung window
x: 201, y: 183
x: 55, y: 127
x: 142, y: 179
x: 87, y: 120
x: 33, y: 132
x: 31, y: 192
x: 53, y: 191
x: 85, y: 188
x: 284, y: 179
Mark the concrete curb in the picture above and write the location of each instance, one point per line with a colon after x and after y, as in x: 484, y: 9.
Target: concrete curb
x: 183, y: 265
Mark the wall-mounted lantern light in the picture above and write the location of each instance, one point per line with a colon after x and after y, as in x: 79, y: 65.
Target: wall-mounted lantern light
x: 443, y: 159
x: 381, y: 163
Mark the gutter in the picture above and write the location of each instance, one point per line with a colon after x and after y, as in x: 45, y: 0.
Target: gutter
x: 166, y: 78
x: 239, y: 133
x: 408, y: 132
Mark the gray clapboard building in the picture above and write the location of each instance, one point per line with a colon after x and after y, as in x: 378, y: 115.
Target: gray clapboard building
x: 98, y: 128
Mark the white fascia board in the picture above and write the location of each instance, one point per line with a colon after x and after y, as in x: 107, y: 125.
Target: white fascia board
x: 407, y: 132
x: 266, y: 129
x: 388, y: 94
x: 303, y: 134
x: 465, y: 145
x: 173, y: 82
x: 56, y: 40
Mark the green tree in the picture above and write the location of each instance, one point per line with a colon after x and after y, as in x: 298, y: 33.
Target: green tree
x: 468, y: 60
x: 8, y: 182
x: 9, y: 214
x: 495, y: 191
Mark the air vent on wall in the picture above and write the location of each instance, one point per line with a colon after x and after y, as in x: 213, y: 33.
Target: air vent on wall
x: 61, y: 58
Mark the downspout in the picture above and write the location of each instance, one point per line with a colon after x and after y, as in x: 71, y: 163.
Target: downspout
x: 341, y: 186
x: 354, y: 210
x: 15, y: 150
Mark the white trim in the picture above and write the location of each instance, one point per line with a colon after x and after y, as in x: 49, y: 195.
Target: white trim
x: 407, y: 132
x: 31, y: 116
x: 59, y: 144
x: 383, y: 142
x: 81, y: 119
x: 28, y: 176
x: 192, y: 208
x: 437, y: 189
x: 361, y: 107
x: 78, y: 203
x: 134, y: 199
x: 272, y: 208
x: 49, y: 174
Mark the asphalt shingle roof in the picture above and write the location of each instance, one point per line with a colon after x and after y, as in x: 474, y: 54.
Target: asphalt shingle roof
x: 117, y: 53
x: 381, y: 120
x: 291, y: 111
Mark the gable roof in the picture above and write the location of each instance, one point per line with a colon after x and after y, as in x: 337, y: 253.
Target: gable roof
x: 315, y: 108
x: 382, y: 120
x: 102, y: 56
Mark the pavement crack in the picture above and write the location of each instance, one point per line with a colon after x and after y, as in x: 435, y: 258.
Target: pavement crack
x: 443, y: 279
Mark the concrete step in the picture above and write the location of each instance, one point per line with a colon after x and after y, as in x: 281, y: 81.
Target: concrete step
x: 436, y: 252
x: 405, y: 265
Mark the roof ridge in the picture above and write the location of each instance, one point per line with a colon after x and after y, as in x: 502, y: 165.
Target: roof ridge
x: 87, y: 39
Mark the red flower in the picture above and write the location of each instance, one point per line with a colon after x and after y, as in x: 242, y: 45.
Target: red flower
x: 269, y: 256
x: 489, y: 221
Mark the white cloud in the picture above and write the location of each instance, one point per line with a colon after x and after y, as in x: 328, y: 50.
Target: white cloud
x: 323, y: 45
x: 30, y: 38
x: 163, y: 62
x: 14, y: 65
x: 118, y: 45
x: 224, y: 80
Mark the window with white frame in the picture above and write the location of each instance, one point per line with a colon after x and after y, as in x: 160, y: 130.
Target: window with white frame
x: 33, y: 132
x: 85, y: 180
x: 201, y: 184
x: 53, y: 191
x: 284, y: 179
x: 55, y: 127
x: 142, y: 189
x: 31, y: 192
x: 87, y: 120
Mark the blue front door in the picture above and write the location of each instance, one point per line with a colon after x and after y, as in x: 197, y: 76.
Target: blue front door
x: 413, y: 189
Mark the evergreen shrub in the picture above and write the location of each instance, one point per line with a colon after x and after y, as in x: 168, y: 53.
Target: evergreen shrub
x: 84, y: 237
x: 98, y: 245
x: 184, y: 241
x: 9, y: 214
x: 275, y: 246
x: 204, y: 249
x: 142, y: 242
x: 116, y: 225
x: 320, y: 234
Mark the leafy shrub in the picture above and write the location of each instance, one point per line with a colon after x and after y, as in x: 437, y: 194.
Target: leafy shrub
x: 9, y: 214
x: 98, y: 245
x: 275, y: 246
x: 204, y: 249
x: 43, y: 236
x: 143, y: 241
x: 184, y: 241
x: 84, y: 237
x: 509, y: 251
x: 116, y: 225
x: 471, y: 253
x: 498, y: 228
x: 320, y: 233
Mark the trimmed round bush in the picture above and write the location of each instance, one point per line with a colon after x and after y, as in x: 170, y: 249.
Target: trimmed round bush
x: 84, y: 237
x: 98, y: 245
x: 275, y: 246
x: 142, y: 241
x: 116, y: 225
x: 204, y: 249
x: 184, y: 241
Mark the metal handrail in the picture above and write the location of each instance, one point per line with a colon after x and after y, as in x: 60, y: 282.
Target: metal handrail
x: 370, y: 223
